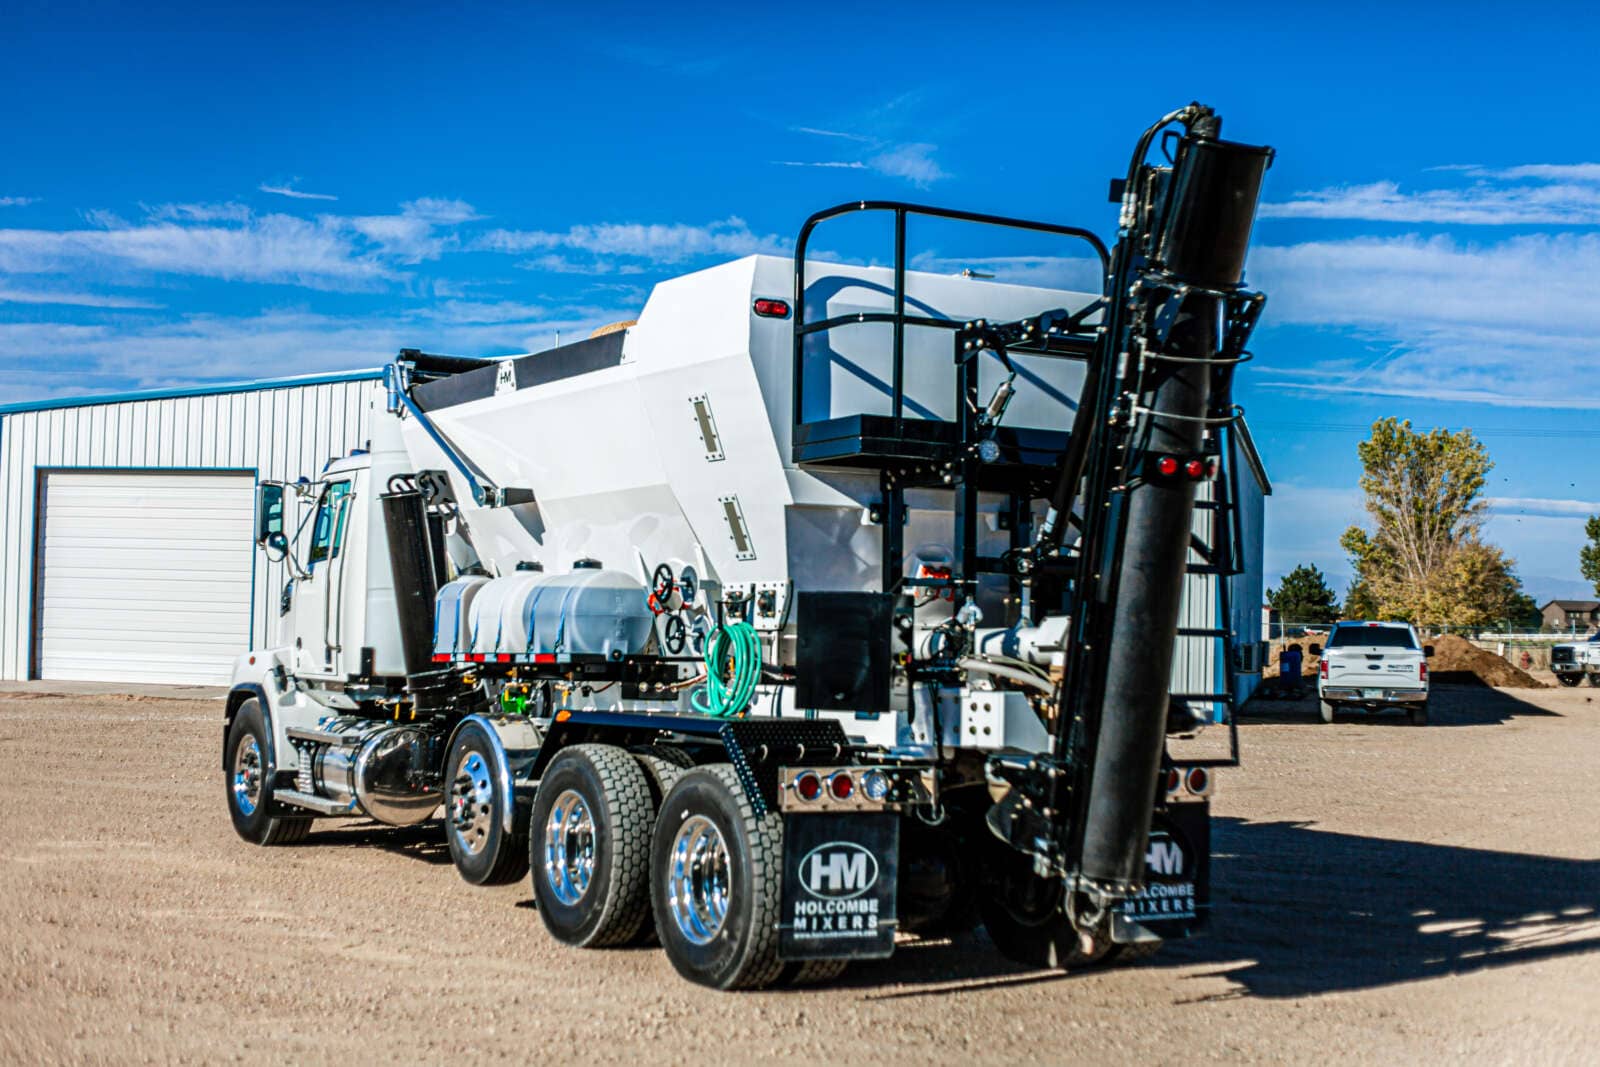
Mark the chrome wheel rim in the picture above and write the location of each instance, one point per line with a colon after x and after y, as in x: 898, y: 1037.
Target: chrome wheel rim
x: 247, y: 773
x: 569, y: 848
x: 697, y: 882
x: 470, y: 805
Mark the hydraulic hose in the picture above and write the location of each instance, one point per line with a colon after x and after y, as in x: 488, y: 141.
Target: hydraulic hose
x: 733, y: 669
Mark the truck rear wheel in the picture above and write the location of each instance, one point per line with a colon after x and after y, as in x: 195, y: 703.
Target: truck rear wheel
x: 1327, y: 710
x: 256, y: 816
x: 1023, y: 915
x: 1594, y: 679
x: 590, y: 846
x: 475, y: 813
x: 715, y: 876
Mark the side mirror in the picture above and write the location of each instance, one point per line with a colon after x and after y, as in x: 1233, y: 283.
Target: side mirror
x: 1316, y: 649
x: 1427, y: 651
x: 269, y: 515
x: 276, y: 545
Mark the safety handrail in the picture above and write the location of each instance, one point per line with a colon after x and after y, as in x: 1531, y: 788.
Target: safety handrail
x: 898, y: 316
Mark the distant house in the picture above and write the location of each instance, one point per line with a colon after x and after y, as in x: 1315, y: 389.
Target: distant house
x: 1571, y: 616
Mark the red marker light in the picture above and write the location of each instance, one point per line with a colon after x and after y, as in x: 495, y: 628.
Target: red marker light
x: 808, y: 786
x: 772, y: 309
x: 841, y: 785
x: 1167, y: 465
x: 1198, y: 781
x: 1194, y: 468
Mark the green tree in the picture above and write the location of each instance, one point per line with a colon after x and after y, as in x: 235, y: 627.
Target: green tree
x: 1424, y: 559
x: 1304, y: 596
x: 1589, y: 554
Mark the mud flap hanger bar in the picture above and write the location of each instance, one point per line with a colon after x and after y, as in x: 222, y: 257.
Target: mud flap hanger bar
x: 397, y: 381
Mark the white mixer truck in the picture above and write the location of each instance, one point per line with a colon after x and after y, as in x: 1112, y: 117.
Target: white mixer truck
x: 822, y: 606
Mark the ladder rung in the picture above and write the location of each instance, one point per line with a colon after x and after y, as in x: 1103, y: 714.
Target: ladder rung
x: 1200, y: 631
x: 1213, y: 698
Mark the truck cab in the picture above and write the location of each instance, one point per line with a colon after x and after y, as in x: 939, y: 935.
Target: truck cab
x: 1370, y: 666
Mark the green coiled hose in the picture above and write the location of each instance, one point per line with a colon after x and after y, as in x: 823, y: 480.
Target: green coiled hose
x: 728, y: 692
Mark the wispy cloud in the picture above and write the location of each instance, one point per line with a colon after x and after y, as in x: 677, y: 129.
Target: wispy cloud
x: 230, y: 242
x: 655, y: 243
x: 18, y: 201
x: 70, y: 299
x: 911, y: 162
x: 1560, y: 194
x: 1506, y: 323
x: 1523, y: 505
x: 287, y: 189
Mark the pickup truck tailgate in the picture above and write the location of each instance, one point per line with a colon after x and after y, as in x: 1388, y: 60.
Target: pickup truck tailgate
x: 1357, y: 666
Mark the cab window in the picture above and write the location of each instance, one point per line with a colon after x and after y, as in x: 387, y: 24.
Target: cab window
x: 326, y: 537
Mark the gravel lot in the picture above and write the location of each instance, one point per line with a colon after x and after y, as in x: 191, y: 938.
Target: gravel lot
x: 1384, y: 893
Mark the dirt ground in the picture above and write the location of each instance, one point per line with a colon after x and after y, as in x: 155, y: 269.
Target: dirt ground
x: 1384, y: 893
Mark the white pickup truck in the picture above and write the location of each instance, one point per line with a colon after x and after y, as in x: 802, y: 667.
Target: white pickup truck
x: 1574, y: 661
x: 1374, y: 665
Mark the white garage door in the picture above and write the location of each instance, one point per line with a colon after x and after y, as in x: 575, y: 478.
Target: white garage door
x: 146, y: 576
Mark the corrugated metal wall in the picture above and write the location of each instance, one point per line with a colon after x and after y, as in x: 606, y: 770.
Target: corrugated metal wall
x: 1196, y: 667
x: 281, y: 432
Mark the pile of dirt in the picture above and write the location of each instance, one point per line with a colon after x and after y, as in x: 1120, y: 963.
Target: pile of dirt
x: 1458, y: 661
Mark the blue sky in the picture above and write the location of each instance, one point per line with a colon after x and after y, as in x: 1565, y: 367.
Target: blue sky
x: 187, y: 195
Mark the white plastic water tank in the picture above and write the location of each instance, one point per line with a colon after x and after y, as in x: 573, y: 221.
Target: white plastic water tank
x: 588, y: 611
x: 452, y: 615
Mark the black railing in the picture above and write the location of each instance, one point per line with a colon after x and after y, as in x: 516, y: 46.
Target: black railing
x: 898, y: 317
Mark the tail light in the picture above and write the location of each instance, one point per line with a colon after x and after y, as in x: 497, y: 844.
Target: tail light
x: 1198, y: 781
x: 1194, y: 468
x: 1322, y: 669
x: 1422, y: 671
x: 808, y: 786
x: 1174, y: 779
x: 841, y: 785
x: 772, y: 309
x: 1167, y: 465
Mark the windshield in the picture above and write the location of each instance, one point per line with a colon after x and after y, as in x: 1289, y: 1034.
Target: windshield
x: 1371, y: 636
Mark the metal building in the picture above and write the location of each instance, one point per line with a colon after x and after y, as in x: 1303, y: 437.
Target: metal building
x: 126, y: 522
x: 126, y: 547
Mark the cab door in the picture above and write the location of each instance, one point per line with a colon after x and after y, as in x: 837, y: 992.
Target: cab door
x: 317, y: 652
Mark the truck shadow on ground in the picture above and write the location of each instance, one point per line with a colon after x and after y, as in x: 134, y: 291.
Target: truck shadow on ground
x: 1303, y: 912
x: 424, y: 842
x: 1449, y: 705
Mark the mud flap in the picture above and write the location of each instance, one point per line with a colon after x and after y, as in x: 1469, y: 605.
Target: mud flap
x: 1176, y: 899
x: 839, y: 885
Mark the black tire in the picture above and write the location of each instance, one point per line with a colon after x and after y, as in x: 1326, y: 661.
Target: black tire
x: 1326, y: 709
x: 1594, y: 679
x: 663, y: 766
x: 1418, y: 714
x: 739, y: 950
x: 590, y: 846
x: 248, y: 777
x: 475, y: 805
x: 1570, y: 680
x: 1022, y: 913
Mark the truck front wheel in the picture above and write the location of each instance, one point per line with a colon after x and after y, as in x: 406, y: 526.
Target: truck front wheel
x: 475, y: 813
x: 590, y: 845
x: 1569, y: 680
x: 1594, y: 679
x: 256, y: 816
x: 715, y: 874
